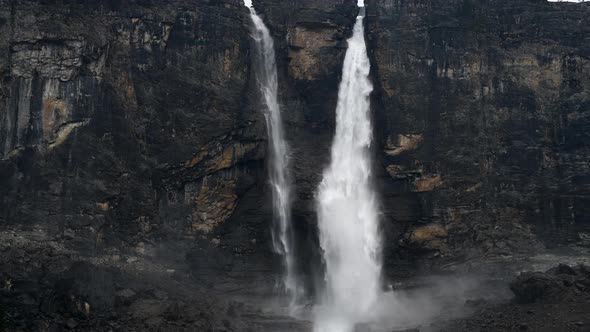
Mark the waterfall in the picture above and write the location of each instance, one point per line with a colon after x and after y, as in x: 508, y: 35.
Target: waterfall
x: 347, y: 209
x: 266, y: 73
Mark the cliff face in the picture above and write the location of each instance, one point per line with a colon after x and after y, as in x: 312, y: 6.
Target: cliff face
x: 136, y: 125
x: 310, y: 38
x: 127, y: 123
x: 482, y: 119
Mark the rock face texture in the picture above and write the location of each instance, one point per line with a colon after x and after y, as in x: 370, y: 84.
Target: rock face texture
x: 135, y: 125
x: 127, y: 124
x: 555, y: 285
x: 482, y: 113
x: 133, y: 151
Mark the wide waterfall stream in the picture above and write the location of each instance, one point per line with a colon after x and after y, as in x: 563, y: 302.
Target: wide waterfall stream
x: 347, y: 209
x: 266, y: 74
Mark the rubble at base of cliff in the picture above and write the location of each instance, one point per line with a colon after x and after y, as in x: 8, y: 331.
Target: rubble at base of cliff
x: 45, y: 287
x: 557, y: 300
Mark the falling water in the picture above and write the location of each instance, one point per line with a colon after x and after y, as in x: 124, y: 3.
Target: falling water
x: 348, y: 221
x: 266, y: 72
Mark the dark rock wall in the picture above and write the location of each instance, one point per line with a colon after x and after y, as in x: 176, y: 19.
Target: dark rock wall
x: 127, y: 123
x: 135, y: 124
x: 482, y: 114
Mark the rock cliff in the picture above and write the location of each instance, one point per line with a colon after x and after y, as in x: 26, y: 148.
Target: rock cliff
x: 134, y: 125
x: 482, y: 118
x: 127, y: 124
x: 131, y: 138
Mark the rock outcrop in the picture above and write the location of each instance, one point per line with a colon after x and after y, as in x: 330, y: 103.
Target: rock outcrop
x: 556, y: 285
x: 481, y: 111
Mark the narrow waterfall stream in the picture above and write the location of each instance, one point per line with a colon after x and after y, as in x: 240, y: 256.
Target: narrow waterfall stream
x: 278, y: 168
x: 347, y: 209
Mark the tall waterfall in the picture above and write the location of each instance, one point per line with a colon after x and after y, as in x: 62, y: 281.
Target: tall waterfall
x: 266, y: 73
x: 347, y: 209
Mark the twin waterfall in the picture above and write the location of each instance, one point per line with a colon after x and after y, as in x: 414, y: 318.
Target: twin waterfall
x: 346, y: 203
x: 266, y: 73
x: 347, y: 210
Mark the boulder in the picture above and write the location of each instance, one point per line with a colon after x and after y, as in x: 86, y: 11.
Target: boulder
x: 555, y: 285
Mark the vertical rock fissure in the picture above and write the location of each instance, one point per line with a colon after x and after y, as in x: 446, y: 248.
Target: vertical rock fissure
x: 347, y: 207
x: 10, y: 135
x: 278, y: 168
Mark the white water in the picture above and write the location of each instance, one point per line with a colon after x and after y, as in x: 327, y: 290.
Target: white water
x: 348, y: 218
x: 266, y: 73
